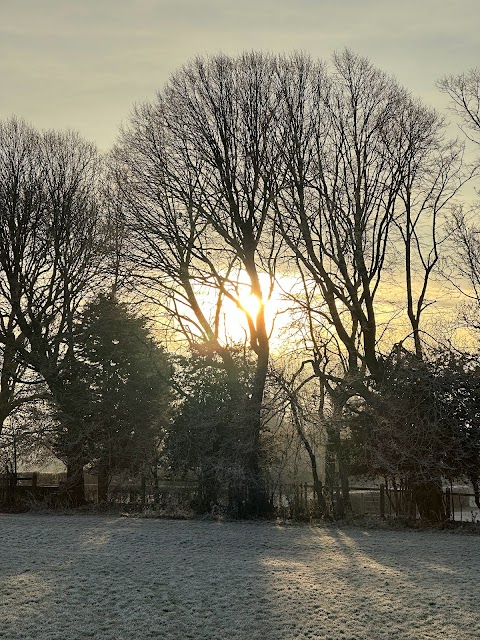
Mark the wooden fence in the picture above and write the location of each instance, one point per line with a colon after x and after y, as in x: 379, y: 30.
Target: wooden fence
x: 288, y: 501
x: 299, y: 501
x: 21, y: 488
x: 168, y: 495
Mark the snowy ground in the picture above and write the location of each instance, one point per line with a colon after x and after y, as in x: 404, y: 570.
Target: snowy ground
x: 78, y: 577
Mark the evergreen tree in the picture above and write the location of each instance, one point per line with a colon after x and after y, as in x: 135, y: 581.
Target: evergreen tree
x: 125, y: 379
x: 207, y: 436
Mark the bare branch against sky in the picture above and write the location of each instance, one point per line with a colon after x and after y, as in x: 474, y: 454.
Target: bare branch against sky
x: 83, y: 64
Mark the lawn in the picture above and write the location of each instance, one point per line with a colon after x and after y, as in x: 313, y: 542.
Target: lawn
x: 112, y: 578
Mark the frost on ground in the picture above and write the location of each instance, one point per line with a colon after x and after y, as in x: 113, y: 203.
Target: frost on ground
x: 78, y: 577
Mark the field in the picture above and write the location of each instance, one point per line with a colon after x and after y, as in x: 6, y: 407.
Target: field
x: 111, y: 578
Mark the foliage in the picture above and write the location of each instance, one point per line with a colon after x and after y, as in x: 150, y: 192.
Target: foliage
x: 124, y: 378
x: 49, y: 262
x: 423, y: 421
x: 207, y: 437
x: 243, y: 166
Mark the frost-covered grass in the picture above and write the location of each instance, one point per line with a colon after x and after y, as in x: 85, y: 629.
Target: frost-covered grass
x: 111, y: 578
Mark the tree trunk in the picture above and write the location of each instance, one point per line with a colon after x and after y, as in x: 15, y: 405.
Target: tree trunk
x: 330, y: 475
x: 321, y: 504
x: 476, y: 491
x: 344, y: 474
x: 337, y: 468
x: 75, y: 485
x: 10, y: 488
x: 428, y: 497
x: 102, y: 483
x: 257, y: 503
x: 208, y: 492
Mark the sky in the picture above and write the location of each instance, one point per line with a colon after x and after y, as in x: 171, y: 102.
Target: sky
x: 83, y: 64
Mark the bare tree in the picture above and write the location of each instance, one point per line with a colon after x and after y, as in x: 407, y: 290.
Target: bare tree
x: 197, y: 173
x: 336, y: 210
x: 48, y: 260
x: 244, y: 163
x: 464, y: 92
x: 365, y: 165
x: 464, y: 265
x: 432, y: 173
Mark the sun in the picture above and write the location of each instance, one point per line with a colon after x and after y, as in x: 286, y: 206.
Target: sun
x: 249, y: 304
x: 237, y: 315
x: 233, y: 313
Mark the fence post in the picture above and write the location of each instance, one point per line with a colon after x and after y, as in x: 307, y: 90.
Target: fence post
x: 156, y: 492
x: 339, y: 505
x: 448, y: 511
x: 34, y: 480
x: 382, y: 501
x: 11, y: 480
x: 143, y: 491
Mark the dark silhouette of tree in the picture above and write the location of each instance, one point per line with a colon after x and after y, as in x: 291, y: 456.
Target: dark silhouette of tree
x: 206, y: 437
x: 365, y: 165
x: 196, y: 170
x: 464, y: 92
x: 124, y: 378
x: 242, y: 164
x: 49, y: 258
x: 337, y: 205
x: 361, y: 158
x: 421, y: 425
x: 463, y: 267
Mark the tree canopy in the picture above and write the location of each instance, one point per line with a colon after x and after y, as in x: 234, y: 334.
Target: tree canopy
x: 326, y: 181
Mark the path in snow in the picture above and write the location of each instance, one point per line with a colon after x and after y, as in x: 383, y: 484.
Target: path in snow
x: 110, y: 578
